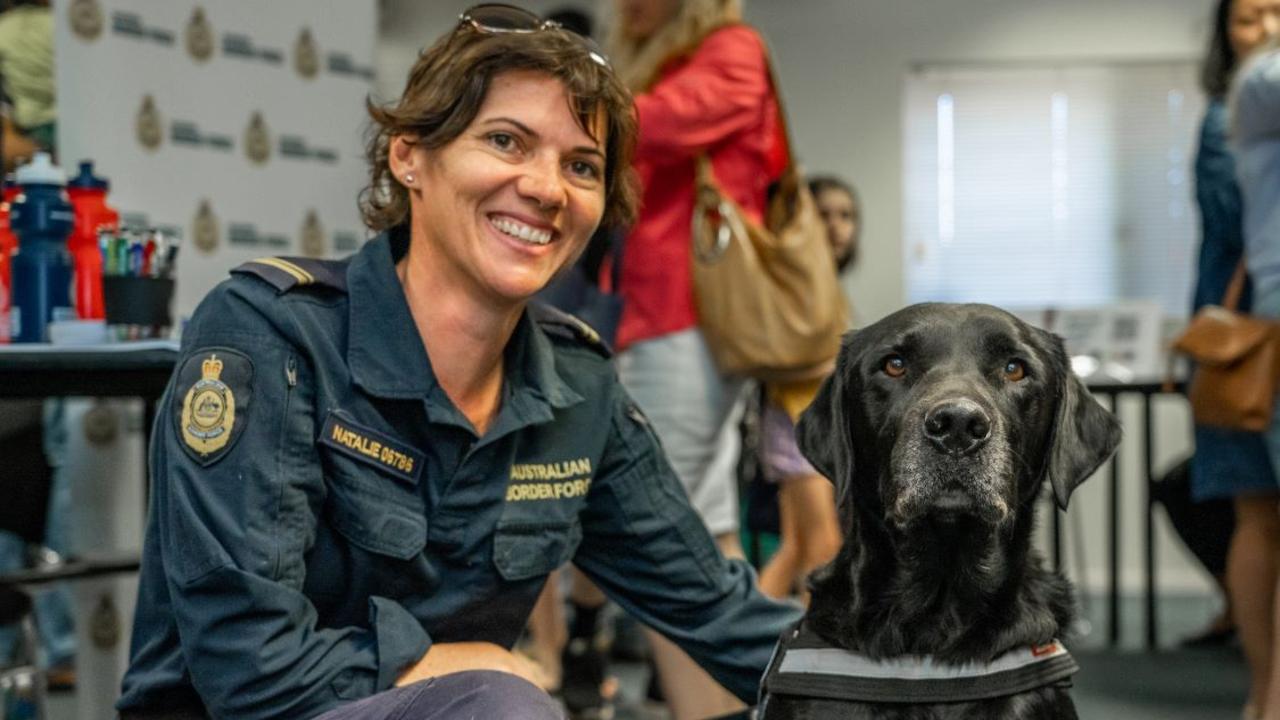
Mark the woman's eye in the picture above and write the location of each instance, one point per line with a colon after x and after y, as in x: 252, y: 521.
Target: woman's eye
x: 502, y: 141
x: 584, y: 169
x: 1015, y: 370
x: 895, y: 366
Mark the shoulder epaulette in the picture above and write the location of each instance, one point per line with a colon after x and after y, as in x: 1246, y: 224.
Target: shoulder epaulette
x: 560, y: 323
x: 286, y: 273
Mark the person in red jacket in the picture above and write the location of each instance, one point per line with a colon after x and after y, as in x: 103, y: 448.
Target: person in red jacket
x: 702, y: 87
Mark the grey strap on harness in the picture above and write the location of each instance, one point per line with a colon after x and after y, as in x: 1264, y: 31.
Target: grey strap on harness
x: 805, y: 665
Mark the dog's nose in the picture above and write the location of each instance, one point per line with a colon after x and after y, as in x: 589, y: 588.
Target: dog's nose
x: 958, y: 427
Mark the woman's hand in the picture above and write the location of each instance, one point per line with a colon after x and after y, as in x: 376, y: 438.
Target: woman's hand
x: 445, y: 658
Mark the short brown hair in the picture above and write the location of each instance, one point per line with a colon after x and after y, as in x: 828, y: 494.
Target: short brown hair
x: 447, y: 86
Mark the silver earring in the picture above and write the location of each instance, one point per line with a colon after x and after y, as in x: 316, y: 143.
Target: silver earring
x: 408, y: 178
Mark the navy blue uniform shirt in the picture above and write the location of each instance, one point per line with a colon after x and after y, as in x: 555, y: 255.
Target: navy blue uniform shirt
x: 321, y: 512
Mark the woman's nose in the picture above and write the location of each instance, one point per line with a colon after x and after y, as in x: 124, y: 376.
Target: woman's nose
x: 542, y: 183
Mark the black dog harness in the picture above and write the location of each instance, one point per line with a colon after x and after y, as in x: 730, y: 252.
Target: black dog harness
x: 804, y: 664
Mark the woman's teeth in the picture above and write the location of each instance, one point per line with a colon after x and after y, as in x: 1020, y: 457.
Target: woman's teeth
x: 521, y: 231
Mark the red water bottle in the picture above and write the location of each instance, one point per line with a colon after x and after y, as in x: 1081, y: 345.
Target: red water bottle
x: 8, y: 246
x: 88, y: 195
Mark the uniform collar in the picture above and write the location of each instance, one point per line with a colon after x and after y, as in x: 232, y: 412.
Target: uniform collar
x: 387, y: 358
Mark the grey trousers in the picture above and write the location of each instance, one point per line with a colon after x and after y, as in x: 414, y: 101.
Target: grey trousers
x: 484, y: 694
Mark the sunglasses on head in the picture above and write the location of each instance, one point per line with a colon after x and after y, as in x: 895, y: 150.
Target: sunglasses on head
x: 500, y: 18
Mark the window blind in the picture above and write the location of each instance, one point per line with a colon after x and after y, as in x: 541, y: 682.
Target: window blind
x: 1066, y: 186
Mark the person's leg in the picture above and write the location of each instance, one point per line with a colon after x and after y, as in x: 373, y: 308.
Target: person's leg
x: 813, y: 507
x: 547, y: 632
x: 587, y: 687
x: 1251, y: 579
x: 472, y: 694
x: 777, y: 577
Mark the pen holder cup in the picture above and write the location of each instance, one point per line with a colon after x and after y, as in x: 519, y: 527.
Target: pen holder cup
x: 142, y: 301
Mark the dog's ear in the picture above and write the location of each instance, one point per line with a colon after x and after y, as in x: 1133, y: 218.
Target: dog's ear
x: 1083, y: 433
x: 823, y: 432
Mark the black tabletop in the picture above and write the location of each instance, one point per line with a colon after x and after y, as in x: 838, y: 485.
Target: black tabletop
x: 85, y: 371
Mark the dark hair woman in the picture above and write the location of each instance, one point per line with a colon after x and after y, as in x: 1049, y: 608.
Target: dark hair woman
x: 1232, y: 464
x: 364, y: 470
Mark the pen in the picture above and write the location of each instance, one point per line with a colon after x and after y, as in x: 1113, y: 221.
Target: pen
x: 135, y: 257
x: 148, y: 251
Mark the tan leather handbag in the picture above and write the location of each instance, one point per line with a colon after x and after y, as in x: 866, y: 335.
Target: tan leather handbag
x: 1237, y: 360
x: 768, y: 296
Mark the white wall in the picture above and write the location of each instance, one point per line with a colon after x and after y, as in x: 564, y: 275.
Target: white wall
x: 842, y: 64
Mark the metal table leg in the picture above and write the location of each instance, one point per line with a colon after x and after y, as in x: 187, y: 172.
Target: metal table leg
x: 1147, y: 434
x: 1113, y: 628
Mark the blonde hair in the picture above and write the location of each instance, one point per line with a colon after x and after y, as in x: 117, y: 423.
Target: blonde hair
x: 638, y: 62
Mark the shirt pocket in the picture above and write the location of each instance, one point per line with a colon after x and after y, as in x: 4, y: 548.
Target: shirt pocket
x: 524, y: 550
x: 375, y: 512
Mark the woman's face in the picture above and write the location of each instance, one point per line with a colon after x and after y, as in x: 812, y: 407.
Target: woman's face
x: 516, y: 196
x: 839, y: 214
x: 640, y: 19
x: 1251, y: 23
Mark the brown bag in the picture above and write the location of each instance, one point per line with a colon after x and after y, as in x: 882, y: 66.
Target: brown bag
x: 768, y: 297
x: 1237, y: 363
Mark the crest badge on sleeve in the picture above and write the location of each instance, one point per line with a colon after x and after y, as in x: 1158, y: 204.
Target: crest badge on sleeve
x: 213, y: 407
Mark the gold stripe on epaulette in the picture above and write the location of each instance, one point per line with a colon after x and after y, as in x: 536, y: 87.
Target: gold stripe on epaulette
x: 302, y: 276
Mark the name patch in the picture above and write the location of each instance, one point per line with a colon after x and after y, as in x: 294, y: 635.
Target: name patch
x: 372, y: 447
x: 549, y: 481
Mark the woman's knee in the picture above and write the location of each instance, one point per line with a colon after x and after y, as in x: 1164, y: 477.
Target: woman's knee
x: 484, y: 694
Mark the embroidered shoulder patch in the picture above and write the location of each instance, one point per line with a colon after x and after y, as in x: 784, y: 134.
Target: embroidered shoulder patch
x: 216, y: 390
x: 371, y: 446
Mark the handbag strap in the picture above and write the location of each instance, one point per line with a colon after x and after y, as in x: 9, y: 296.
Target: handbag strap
x: 1235, y: 288
x: 789, y: 181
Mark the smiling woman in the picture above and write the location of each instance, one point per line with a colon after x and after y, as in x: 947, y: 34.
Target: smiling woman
x: 413, y: 447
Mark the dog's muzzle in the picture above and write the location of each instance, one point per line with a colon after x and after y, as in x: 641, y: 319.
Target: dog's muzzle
x: 952, y: 465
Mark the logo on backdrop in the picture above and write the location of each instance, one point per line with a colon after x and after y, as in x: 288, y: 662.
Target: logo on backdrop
x: 257, y: 140
x: 199, y: 36
x: 306, y: 58
x: 311, y: 239
x: 86, y: 19
x: 204, y: 228
x: 148, y: 125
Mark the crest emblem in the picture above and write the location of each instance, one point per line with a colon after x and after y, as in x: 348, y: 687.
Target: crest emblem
x: 86, y: 19
x: 257, y: 139
x: 199, y: 36
x: 149, y: 127
x: 208, y: 410
x: 312, y: 236
x: 306, y: 58
x: 205, y: 228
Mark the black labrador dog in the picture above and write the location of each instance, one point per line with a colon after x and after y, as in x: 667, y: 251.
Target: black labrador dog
x: 938, y: 429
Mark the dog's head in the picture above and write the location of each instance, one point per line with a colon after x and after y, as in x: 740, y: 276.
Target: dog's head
x: 954, y: 413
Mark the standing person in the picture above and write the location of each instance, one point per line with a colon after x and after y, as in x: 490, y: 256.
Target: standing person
x: 364, y: 470
x: 702, y: 88
x: 1256, y: 124
x: 809, y: 530
x: 1229, y: 463
x: 26, y: 76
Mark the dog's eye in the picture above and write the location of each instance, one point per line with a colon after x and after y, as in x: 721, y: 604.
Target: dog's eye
x: 1015, y: 370
x: 895, y: 366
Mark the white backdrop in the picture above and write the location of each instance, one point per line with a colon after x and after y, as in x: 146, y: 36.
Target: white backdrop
x: 197, y: 155
x: 204, y: 110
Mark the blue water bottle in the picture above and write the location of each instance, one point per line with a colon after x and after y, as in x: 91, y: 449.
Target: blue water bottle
x: 42, y: 219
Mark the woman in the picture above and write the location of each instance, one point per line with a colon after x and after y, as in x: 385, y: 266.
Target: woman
x: 809, y: 529
x: 841, y: 211
x: 364, y: 470
x: 1256, y: 136
x: 702, y: 88
x: 1227, y: 463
